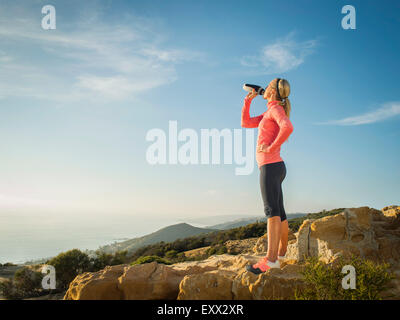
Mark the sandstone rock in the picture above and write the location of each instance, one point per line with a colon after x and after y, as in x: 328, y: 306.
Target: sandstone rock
x: 145, y: 281
x: 261, y: 246
x: 278, y: 283
x: 149, y: 281
x: 391, y: 211
x: 363, y: 231
x: 300, y: 249
x: 235, y: 283
x: 241, y: 285
x: 101, y: 285
x: 212, y: 285
x: 240, y: 246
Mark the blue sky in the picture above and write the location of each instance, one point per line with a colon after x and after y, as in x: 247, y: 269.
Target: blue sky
x: 76, y: 104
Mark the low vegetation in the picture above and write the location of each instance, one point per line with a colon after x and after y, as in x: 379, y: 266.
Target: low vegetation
x: 324, y: 281
x: 148, y: 259
x: 8, y: 264
x: 26, y: 283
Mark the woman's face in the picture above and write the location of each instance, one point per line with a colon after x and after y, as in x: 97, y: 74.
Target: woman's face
x: 269, y: 91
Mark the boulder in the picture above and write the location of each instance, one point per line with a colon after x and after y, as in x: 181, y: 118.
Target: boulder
x: 242, y: 285
x: 212, y: 285
x: 391, y: 211
x: 142, y: 282
x: 362, y: 231
x: 101, y: 285
x: 278, y: 284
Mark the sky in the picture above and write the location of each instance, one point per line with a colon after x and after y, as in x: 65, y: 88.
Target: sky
x: 77, y: 102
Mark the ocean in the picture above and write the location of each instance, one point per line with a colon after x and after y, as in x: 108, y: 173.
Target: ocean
x: 26, y: 237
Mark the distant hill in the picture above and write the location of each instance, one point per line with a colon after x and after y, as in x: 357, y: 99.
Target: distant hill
x: 167, y: 234
x: 245, y: 221
x: 237, y: 223
x: 206, y: 220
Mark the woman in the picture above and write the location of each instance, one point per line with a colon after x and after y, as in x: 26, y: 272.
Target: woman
x: 274, y: 127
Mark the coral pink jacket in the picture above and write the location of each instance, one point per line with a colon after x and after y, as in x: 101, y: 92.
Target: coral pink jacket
x: 274, y: 127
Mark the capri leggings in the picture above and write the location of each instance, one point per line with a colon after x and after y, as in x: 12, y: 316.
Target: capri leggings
x: 271, y: 177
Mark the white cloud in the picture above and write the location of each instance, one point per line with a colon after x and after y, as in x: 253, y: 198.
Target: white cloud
x: 95, y: 61
x: 4, y: 58
x: 386, y: 111
x: 118, y: 86
x: 280, y: 56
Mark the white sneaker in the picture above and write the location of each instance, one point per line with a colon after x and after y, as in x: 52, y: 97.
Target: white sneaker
x: 263, y: 265
x: 275, y: 264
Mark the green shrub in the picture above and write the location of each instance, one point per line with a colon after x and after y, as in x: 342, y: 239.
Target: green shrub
x: 217, y: 249
x: 222, y: 250
x: 28, y: 280
x: 68, y: 265
x: 26, y: 283
x: 324, y: 282
x: 147, y: 259
x: 9, y: 264
x: 120, y: 257
x: 103, y: 259
x: 171, y: 254
x: 9, y: 291
x: 211, y: 251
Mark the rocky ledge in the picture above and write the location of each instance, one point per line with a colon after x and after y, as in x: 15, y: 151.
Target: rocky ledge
x: 366, y: 232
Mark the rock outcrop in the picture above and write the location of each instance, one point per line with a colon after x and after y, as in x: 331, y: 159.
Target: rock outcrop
x: 241, y: 246
x: 364, y: 231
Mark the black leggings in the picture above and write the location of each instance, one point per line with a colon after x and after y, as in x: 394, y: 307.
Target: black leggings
x: 271, y: 177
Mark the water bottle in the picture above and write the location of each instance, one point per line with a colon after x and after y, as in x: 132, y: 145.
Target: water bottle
x: 249, y: 87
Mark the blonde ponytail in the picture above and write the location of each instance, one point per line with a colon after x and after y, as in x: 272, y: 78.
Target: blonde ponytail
x: 287, y: 106
x: 284, y: 90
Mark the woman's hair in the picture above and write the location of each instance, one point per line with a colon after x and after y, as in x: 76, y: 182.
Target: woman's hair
x: 284, y: 91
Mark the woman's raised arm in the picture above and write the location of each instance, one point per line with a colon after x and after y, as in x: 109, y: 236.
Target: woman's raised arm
x: 247, y: 121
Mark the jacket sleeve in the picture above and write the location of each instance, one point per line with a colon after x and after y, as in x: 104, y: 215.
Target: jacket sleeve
x: 285, y: 127
x: 247, y: 121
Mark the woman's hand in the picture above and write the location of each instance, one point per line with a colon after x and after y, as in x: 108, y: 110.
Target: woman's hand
x: 263, y: 148
x: 252, y: 94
